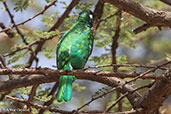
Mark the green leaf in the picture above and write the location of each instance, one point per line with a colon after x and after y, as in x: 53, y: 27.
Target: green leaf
x: 41, y: 94
x: 48, y: 1
x: 18, y: 56
x: 18, y: 66
x: 2, y: 0
x: 21, y: 5
x: 123, y: 60
x: 83, y: 6
x: 47, y: 52
x: 48, y: 20
x: 168, y: 56
x: 78, y: 87
x: 3, y: 9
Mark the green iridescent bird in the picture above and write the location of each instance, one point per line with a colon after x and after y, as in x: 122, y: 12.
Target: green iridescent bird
x: 73, y: 50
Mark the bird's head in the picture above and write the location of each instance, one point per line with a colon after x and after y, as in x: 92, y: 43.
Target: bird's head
x: 86, y: 16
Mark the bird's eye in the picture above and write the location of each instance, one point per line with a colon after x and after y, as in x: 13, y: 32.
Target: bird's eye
x: 91, y: 16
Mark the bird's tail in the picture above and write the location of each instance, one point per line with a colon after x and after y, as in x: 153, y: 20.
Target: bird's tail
x: 65, y: 88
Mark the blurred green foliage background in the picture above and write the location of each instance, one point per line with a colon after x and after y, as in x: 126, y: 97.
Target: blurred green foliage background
x: 148, y: 47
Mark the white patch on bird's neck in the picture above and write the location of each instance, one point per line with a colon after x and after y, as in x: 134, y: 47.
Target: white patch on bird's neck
x: 91, y: 16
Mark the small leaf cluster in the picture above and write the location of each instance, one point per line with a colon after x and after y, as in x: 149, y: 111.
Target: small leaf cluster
x: 21, y: 5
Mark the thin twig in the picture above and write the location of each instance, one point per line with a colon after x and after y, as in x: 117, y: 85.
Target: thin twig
x: 64, y: 15
x: 9, y: 33
x: 33, y: 92
x: 145, y: 13
x: 56, y: 25
x: 125, y: 65
x: 11, y: 77
x: 31, y: 44
x: 48, y: 103
x: 29, y: 19
x: 100, y: 112
x: 108, y: 17
x: 124, y: 95
x: 4, y: 65
x: 52, y: 93
x: 93, y: 99
x: 102, y: 20
x: 115, y: 88
x: 13, y: 22
x: 148, y: 71
x: 37, y: 106
x: 17, y: 29
x: 134, y: 79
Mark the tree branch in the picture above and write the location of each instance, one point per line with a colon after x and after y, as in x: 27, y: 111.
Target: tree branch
x: 8, y: 32
x: 64, y: 15
x: 37, y: 106
x: 78, y: 73
x: 126, y: 65
x: 149, y: 15
x: 13, y: 22
x: 141, y: 28
x: 39, y: 41
x: 124, y: 95
x: 98, y: 12
x: 168, y: 2
x: 114, y: 48
x: 159, y: 92
x: 94, y: 98
x: 115, y: 39
x: 101, y: 112
x: 49, y: 75
x: 53, y: 75
x: 29, y: 19
x: 52, y: 93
